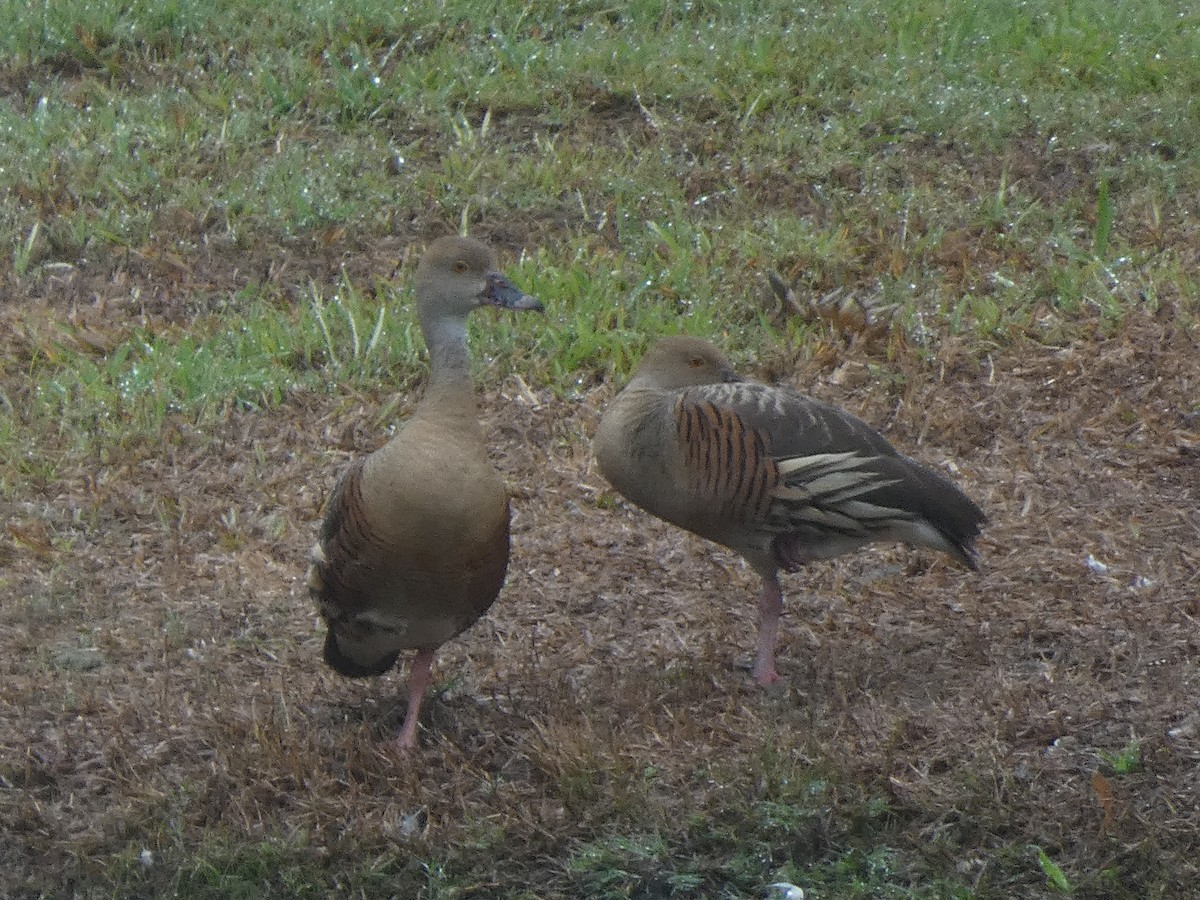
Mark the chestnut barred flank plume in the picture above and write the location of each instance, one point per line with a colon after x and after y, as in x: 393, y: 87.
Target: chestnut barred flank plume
x: 779, y: 477
x: 414, y: 544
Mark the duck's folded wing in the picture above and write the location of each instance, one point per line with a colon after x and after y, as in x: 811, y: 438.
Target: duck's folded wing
x: 817, y: 476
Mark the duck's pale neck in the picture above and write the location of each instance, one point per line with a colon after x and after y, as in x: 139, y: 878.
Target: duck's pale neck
x: 449, y: 362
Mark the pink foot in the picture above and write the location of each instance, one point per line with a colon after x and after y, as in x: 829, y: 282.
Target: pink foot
x: 766, y: 679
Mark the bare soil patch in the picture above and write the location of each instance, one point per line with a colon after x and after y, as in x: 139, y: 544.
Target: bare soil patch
x: 162, y: 675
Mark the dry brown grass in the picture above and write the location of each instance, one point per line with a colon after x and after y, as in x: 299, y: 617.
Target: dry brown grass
x: 163, y: 689
x: 166, y: 725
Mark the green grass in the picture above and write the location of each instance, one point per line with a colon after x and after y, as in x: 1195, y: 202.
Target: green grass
x: 279, y: 866
x: 1126, y: 761
x: 1054, y: 873
x: 998, y: 171
x: 323, y: 115
x: 297, y: 120
x: 793, y: 826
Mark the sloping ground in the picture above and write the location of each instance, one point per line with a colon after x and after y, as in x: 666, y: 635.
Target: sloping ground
x: 162, y: 682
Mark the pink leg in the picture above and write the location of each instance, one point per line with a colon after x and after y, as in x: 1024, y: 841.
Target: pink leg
x: 418, y: 681
x: 770, y: 606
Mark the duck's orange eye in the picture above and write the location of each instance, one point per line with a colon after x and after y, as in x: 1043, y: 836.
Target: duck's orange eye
x: 460, y: 266
x: 696, y: 362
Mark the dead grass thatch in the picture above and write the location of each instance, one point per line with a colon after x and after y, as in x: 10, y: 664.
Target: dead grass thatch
x: 162, y: 681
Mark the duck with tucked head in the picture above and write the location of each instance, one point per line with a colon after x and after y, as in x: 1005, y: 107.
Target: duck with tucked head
x: 779, y: 477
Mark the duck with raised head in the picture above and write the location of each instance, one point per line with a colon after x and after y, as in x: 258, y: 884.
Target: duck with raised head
x: 414, y: 544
